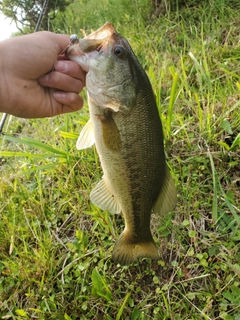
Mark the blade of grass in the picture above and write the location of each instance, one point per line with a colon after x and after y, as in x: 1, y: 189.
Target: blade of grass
x: 215, y: 188
x: 173, y: 96
x: 120, y: 312
x: 26, y: 154
x: 68, y: 135
x: 36, y: 144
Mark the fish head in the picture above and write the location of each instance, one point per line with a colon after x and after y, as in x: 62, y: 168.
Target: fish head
x: 110, y: 64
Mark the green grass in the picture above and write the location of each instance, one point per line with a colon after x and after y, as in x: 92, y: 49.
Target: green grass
x: 55, y: 246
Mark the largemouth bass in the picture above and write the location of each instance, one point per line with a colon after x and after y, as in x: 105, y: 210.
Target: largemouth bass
x: 126, y: 129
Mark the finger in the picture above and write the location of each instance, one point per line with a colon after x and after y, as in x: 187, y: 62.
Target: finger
x: 71, y: 68
x: 61, y: 81
x: 69, y: 101
x: 63, y: 40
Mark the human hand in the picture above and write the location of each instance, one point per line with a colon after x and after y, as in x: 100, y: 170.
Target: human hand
x: 33, y: 84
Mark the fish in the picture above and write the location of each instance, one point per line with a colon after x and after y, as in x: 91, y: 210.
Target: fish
x: 127, y: 131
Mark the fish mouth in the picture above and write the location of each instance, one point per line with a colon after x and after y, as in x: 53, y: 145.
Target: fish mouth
x: 98, y: 40
x: 102, y: 33
x: 94, y: 41
x: 90, y: 46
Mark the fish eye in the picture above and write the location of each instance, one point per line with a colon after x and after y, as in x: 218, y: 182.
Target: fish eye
x: 118, y: 51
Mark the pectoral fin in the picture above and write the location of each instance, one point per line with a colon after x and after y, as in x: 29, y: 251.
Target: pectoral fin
x: 167, y: 197
x: 111, y: 136
x: 103, y: 198
x: 86, y: 138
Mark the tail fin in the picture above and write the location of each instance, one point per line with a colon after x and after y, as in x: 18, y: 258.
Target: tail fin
x: 126, y: 252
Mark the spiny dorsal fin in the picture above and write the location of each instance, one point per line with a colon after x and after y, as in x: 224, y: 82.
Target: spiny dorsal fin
x: 86, y: 138
x: 167, y: 197
x: 103, y: 198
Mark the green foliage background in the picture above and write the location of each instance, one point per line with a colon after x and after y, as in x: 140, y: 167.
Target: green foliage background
x: 55, y: 246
